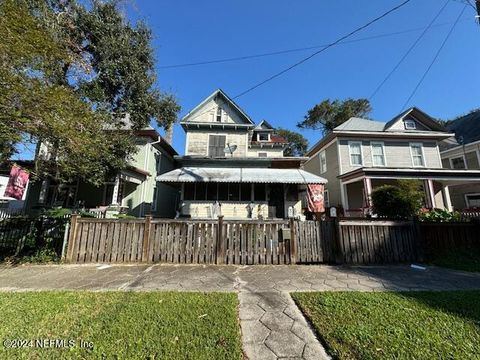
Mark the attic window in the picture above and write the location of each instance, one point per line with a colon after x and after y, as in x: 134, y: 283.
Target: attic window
x: 219, y: 114
x: 263, y: 137
x: 410, y: 125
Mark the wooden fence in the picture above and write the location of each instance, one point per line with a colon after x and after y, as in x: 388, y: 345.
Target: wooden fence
x: 244, y: 242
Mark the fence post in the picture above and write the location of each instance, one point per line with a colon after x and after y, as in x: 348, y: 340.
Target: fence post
x: 146, y: 237
x: 72, y: 236
x: 220, y: 242
x: 293, y: 243
x: 337, y: 245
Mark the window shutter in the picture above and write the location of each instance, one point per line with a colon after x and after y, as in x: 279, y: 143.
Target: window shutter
x: 211, y: 145
x: 221, y: 145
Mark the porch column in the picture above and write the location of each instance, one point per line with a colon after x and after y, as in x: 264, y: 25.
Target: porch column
x: 344, y: 196
x: 367, y: 185
x: 430, y: 193
x: 116, y: 189
x: 446, y: 198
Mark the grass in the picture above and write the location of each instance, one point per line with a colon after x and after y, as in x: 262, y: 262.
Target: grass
x: 123, y: 325
x: 465, y: 260
x: 413, y: 325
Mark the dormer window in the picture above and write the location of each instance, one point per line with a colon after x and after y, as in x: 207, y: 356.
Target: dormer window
x: 410, y: 125
x: 219, y: 114
x: 263, y: 137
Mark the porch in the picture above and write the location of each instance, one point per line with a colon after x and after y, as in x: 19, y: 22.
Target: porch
x: 356, y: 186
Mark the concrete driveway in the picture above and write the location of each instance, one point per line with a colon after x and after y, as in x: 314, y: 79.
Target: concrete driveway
x: 272, y: 325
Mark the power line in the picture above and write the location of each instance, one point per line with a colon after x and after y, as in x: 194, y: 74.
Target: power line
x: 409, y: 50
x: 434, y: 58
x: 321, y: 50
x: 293, y: 50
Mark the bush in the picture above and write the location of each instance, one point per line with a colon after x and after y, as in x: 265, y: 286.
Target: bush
x: 440, y: 215
x: 400, y: 201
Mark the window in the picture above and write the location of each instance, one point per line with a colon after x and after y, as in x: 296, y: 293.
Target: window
x: 416, y: 150
x: 233, y: 192
x: 259, y: 193
x: 378, y: 154
x: 216, y: 145
x: 246, y: 192
x: 410, y: 125
x: 323, y: 162
x: 155, y: 198
x: 189, y: 191
x: 219, y: 114
x: 355, y: 152
x: 326, y: 199
x: 458, y: 163
x: 263, y: 137
x: 472, y: 200
x: 262, y: 154
x: 291, y: 192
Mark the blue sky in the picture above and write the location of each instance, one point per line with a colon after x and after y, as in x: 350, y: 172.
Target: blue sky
x: 191, y: 31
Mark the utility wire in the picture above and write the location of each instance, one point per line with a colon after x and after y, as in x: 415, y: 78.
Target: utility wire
x: 434, y: 58
x: 322, y: 50
x: 409, y: 51
x: 293, y: 50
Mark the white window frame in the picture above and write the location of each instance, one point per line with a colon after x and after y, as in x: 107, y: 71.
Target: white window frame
x: 466, y: 198
x: 326, y: 198
x: 450, y: 160
x: 350, y: 152
x: 409, y: 121
x: 263, y: 133
x: 423, y: 154
x: 323, y: 155
x: 382, y: 144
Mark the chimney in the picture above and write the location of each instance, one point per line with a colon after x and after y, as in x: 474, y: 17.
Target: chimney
x: 169, y: 134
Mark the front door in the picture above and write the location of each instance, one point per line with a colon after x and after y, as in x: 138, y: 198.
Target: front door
x: 276, y: 200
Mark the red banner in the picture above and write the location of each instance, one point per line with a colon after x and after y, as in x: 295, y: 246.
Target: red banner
x: 315, y: 198
x: 17, y: 183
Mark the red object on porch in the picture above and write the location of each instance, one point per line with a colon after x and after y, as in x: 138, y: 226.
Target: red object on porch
x: 17, y: 183
x: 315, y: 198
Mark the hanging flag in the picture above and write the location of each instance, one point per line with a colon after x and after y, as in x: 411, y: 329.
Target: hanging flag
x: 17, y: 183
x: 316, y: 202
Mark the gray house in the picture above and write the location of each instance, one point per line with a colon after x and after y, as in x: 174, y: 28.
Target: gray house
x: 463, y: 152
x: 361, y: 154
x: 235, y: 168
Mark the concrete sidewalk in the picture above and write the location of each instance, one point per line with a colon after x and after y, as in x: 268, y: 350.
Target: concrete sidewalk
x: 272, y: 325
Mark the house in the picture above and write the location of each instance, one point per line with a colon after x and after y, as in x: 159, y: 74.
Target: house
x: 235, y: 168
x: 360, y: 155
x: 133, y: 190
x: 463, y: 152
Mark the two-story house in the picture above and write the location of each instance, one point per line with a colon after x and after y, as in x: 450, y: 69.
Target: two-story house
x: 361, y: 154
x: 235, y: 168
x: 134, y: 190
x: 464, y: 153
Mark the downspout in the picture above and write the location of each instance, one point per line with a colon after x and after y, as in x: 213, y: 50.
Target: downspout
x: 144, y: 184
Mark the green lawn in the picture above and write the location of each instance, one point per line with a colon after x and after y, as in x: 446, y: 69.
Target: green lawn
x: 413, y: 325
x: 123, y: 325
x: 465, y: 260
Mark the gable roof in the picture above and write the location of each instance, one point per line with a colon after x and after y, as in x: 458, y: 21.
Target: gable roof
x: 264, y: 125
x: 227, y: 99
x: 359, y: 124
x: 466, y: 128
x: 418, y: 115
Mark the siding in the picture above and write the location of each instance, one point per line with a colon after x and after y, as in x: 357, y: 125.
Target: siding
x: 397, y: 154
x: 457, y: 194
x: 400, y: 125
x: 271, y: 152
x: 472, y: 160
x: 207, y: 113
x: 197, y: 141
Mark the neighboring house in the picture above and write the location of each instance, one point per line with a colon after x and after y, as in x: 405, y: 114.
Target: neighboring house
x: 464, y: 153
x: 235, y: 168
x: 360, y: 155
x: 133, y: 191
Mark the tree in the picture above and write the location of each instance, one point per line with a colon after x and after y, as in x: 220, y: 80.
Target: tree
x: 400, y: 201
x: 329, y: 114
x: 67, y: 73
x: 297, y: 144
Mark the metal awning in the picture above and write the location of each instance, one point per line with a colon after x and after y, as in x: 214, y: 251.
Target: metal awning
x: 240, y: 175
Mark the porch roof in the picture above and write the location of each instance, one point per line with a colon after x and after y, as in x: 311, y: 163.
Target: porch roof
x: 412, y: 173
x: 240, y: 175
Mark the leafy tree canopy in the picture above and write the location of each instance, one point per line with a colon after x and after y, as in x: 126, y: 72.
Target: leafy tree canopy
x: 329, y: 114
x: 297, y: 144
